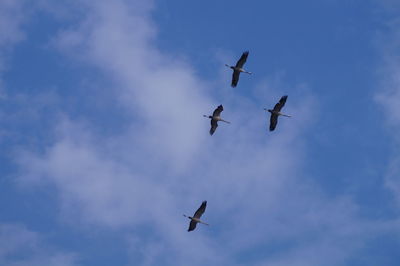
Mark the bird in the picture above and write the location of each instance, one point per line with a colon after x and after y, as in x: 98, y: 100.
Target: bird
x: 215, y: 118
x: 276, y: 112
x: 196, y: 217
x: 238, y: 68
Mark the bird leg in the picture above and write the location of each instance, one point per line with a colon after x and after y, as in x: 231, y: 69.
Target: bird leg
x: 225, y: 121
x: 202, y: 222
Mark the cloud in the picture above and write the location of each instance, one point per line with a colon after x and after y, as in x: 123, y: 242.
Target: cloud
x: 21, y: 247
x: 388, y: 93
x: 11, y: 20
x: 117, y: 40
x: 392, y: 180
x: 163, y: 163
x: 390, y: 5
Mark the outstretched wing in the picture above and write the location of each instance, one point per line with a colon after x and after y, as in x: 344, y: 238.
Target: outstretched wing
x: 214, y: 125
x: 200, y: 210
x: 242, y: 59
x: 192, y: 225
x: 235, y: 78
x: 280, y: 104
x: 272, y: 122
x: 218, y: 111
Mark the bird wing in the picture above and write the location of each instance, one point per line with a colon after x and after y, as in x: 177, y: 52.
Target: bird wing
x: 218, y: 111
x: 242, y: 59
x: 214, y: 125
x: 235, y: 78
x: 280, y: 104
x: 200, y: 210
x: 272, y: 122
x: 192, y: 225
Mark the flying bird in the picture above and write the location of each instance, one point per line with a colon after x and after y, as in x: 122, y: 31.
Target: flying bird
x: 276, y: 112
x: 238, y: 68
x: 196, y: 217
x: 215, y: 118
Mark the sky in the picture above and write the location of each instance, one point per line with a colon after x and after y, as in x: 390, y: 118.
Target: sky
x: 104, y: 145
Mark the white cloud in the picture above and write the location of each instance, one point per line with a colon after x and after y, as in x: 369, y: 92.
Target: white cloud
x: 392, y: 179
x: 390, y: 5
x: 155, y: 87
x: 11, y: 19
x: 164, y: 163
x: 21, y: 247
x: 388, y: 93
x: 12, y: 16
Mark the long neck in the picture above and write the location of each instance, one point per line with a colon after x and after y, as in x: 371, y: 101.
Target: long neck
x: 231, y: 67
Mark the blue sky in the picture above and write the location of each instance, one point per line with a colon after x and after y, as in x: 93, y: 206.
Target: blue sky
x: 104, y: 146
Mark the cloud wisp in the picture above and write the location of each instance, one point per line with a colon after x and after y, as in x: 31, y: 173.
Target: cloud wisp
x: 11, y: 21
x: 21, y: 247
x: 388, y: 93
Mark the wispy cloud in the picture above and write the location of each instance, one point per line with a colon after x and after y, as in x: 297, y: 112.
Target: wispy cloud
x: 11, y: 20
x: 21, y: 247
x: 388, y: 93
